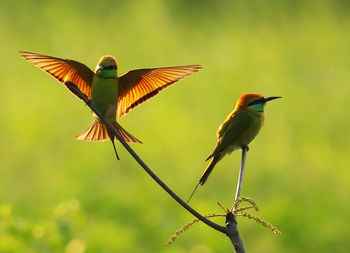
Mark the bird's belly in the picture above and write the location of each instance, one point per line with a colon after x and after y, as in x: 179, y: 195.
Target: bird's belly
x: 249, y: 135
x: 104, y: 95
x: 231, y: 148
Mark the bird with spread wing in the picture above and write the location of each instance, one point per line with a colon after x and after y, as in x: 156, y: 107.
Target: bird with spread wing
x: 113, y: 95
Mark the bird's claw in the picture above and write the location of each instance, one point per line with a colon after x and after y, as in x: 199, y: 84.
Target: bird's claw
x: 245, y: 147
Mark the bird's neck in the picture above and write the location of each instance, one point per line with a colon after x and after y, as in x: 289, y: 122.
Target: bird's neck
x: 257, y: 107
x: 107, y: 74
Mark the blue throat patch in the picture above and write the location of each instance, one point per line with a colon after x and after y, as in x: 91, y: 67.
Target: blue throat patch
x: 107, y: 74
x: 259, y: 107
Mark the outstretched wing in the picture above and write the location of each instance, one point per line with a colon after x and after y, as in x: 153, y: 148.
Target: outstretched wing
x: 137, y: 86
x: 63, y: 70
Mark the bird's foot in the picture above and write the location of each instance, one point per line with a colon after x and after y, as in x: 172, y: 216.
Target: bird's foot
x: 245, y: 147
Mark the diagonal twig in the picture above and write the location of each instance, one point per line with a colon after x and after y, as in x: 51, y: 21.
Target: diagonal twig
x: 231, y: 225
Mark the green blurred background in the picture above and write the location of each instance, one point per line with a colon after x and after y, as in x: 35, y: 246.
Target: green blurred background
x: 62, y: 195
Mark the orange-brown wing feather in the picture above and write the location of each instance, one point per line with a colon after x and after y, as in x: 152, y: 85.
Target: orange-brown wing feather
x: 137, y: 86
x: 63, y: 70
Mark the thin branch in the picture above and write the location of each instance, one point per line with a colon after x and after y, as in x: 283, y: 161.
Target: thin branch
x: 73, y: 88
x: 240, y: 175
x: 231, y: 225
x: 188, y: 225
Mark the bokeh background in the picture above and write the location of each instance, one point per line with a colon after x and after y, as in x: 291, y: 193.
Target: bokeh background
x: 62, y: 195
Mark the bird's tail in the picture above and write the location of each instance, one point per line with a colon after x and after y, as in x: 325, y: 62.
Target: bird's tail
x: 127, y: 136
x: 195, y: 188
x: 99, y: 132
x: 209, y: 169
x: 205, y: 174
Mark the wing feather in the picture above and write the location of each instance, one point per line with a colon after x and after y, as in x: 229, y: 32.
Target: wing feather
x: 137, y: 86
x: 63, y: 70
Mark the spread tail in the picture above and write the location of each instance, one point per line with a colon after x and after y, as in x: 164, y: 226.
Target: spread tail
x: 95, y: 132
x: 99, y: 132
x: 127, y: 137
x: 205, y: 174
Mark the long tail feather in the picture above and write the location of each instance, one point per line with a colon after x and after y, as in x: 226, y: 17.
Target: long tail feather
x: 205, y: 174
x: 208, y: 170
x: 115, y: 150
x: 195, y: 188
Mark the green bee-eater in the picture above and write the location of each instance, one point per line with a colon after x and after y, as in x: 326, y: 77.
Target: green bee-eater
x: 113, y: 95
x: 238, y: 130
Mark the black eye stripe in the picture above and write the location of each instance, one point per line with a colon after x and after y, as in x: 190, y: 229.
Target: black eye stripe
x: 110, y: 67
x: 257, y: 101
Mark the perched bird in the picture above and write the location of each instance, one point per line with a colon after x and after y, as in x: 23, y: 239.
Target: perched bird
x: 237, y: 131
x: 113, y: 95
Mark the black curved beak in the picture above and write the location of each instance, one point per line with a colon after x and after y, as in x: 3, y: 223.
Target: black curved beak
x: 270, y: 98
x: 101, y: 67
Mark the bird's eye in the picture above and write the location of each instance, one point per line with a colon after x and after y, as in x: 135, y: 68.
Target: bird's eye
x: 256, y: 101
x: 110, y: 67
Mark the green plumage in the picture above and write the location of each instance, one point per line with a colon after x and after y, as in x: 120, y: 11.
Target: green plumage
x: 104, y: 93
x: 238, y: 130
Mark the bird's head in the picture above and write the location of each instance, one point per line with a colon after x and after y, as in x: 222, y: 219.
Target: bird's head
x: 253, y: 101
x: 107, y: 66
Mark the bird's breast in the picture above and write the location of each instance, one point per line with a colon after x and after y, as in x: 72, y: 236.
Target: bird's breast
x: 104, y: 95
x: 252, y: 129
